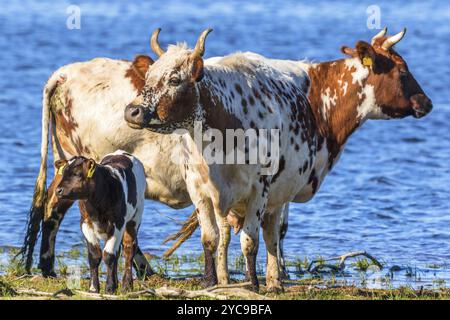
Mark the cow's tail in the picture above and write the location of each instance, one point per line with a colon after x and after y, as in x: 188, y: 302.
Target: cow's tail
x: 37, y: 209
x: 186, y: 231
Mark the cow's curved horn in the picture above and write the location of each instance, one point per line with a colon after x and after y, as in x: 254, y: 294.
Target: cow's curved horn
x: 380, y: 34
x: 389, y: 42
x: 154, y: 43
x: 199, y: 49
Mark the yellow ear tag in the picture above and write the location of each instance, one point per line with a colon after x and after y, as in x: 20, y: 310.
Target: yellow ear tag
x: 91, y: 171
x: 61, y: 169
x: 367, y: 61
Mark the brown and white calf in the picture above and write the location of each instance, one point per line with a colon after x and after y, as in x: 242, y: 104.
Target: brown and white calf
x: 374, y: 83
x: 110, y: 196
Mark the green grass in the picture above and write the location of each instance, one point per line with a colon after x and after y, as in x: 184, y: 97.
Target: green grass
x: 362, y: 264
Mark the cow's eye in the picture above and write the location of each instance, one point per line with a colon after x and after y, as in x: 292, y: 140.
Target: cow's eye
x: 403, y: 73
x: 174, y: 81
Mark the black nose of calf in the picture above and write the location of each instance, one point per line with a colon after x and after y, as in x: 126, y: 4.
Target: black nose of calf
x: 135, y: 115
x: 59, y: 192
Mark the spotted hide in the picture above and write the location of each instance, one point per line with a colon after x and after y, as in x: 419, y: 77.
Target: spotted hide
x: 236, y: 92
x: 373, y: 83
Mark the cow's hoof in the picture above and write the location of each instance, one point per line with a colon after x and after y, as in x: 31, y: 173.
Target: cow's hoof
x: 275, y: 289
x: 94, y: 287
x: 110, y: 289
x: 49, y: 274
x: 94, y: 290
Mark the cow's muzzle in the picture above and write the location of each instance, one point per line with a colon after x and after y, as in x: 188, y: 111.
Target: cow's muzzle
x: 61, y: 193
x: 136, y: 116
x: 421, y: 105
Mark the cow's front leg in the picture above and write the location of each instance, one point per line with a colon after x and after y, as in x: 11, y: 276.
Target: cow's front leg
x: 271, y: 238
x: 55, y: 209
x: 222, y: 252
x: 94, y: 255
x: 210, y: 240
x: 111, y: 257
x: 129, y: 244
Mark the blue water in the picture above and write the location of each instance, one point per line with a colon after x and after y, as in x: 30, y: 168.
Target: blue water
x: 390, y: 192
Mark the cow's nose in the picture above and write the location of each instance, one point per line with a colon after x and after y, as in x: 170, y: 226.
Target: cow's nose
x: 59, y: 192
x: 421, y: 105
x: 134, y: 114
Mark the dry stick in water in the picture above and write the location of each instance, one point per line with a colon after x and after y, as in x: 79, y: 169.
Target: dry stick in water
x: 341, y: 264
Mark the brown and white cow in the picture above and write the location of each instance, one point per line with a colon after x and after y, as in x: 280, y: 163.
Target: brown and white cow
x: 110, y: 196
x: 374, y: 83
x: 239, y: 93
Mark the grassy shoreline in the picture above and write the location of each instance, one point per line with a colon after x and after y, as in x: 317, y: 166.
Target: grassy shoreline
x: 14, y: 284
x: 22, y: 287
x: 11, y: 287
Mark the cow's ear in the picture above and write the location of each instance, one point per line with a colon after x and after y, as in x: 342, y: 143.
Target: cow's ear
x: 197, y: 71
x: 349, y: 51
x: 141, y: 64
x: 91, y: 166
x: 60, y: 165
x: 366, y: 53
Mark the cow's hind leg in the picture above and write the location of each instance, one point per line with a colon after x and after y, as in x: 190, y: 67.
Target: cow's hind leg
x: 271, y: 238
x: 129, y: 244
x: 94, y: 256
x: 55, y: 209
x: 111, y: 253
x: 283, y: 227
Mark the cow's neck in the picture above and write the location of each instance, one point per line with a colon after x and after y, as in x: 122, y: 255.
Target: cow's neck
x: 104, y: 195
x: 214, y: 106
x: 335, y: 96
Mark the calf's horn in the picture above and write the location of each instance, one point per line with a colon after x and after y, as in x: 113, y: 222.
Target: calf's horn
x: 389, y: 42
x: 154, y: 43
x: 199, y: 49
x: 380, y: 34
